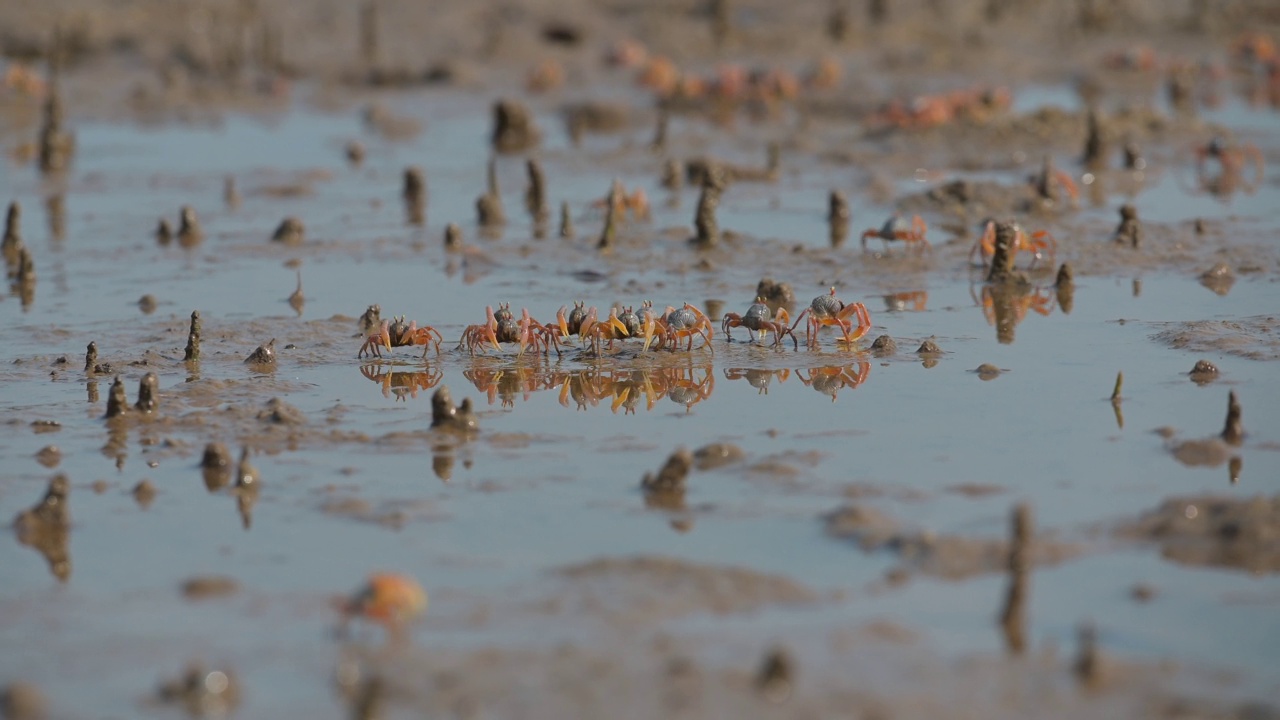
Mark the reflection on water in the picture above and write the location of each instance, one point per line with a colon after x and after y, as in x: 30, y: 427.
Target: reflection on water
x: 757, y: 378
x: 401, y: 384
x: 915, y: 301
x: 1005, y: 305
x: 831, y: 380
x: 620, y: 388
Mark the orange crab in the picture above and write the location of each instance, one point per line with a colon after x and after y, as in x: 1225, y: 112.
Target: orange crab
x: 828, y: 310
x: 678, y: 324
x: 1234, y: 163
x: 475, y: 336
x: 387, y: 598
x: 898, y: 228
x: 398, y: 333
x: 1050, y: 179
x: 636, y: 201
x: 595, y: 331
x: 1037, y: 243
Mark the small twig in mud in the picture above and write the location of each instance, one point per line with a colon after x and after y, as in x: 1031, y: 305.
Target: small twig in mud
x: 776, y: 677
x: 659, y: 141
x: 673, y: 174
x: 1013, y: 615
x: 369, y: 34
x: 296, y: 299
x: 452, y: 238
x: 721, y: 24
x: 1233, y: 430
x: 12, y: 243
x: 1095, y: 145
x: 290, y: 231
x: 535, y: 196
x: 1116, y: 400
x: 193, y: 338
x: 838, y: 216
x: 415, y: 195
x: 489, y: 210
x: 215, y: 465
x: 56, y: 144
x: 148, y: 387
x: 189, y: 232
x: 613, y: 208
x: 444, y: 416
x: 117, y: 400
x: 838, y: 22
x: 1002, y: 257
x: 1133, y: 159
x: 1065, y: 286
x: 673, y: 475
x: 164, y: 234
x: 1129, y: 231
x: 513, y: 128
x: 230, y: 195
x: 704, y: 219
x: 1087, y: 667
x: 566, y: 221
x: 355, y: 152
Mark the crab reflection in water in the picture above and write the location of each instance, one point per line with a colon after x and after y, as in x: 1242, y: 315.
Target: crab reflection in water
x: 1005, y: 305
x: 830, y: 380
x: 401, y: 384
x: 758, y: 378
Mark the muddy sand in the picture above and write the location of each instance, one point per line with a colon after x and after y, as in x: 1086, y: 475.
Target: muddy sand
x: 1019, y: 466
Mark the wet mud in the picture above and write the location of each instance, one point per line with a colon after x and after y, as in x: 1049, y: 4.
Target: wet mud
x: 691, y: 512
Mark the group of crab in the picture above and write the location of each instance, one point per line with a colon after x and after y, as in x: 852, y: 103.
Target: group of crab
x: 668, y: 329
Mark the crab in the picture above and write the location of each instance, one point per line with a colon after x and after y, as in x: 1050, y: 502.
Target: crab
x: 397, y: 333
x: 898, y: 228
x: 1050, y: 179
x: 387, y: 598
x: 636, y: 201
x: 570, y: 322
x: 829, y: 310
x: 678, y: 324
x: 831, y: 380
x: 1037, y: 243
x: 475, y: 336
x: 541, y: 336
x: 595, y: 331
x: 1234, y: 162
x: 757, y: 320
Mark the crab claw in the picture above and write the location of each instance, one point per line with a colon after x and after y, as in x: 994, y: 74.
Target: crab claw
x: 385, y: 333
x: 618, y: 324
x: 563, y: 321
x: 649, y: 326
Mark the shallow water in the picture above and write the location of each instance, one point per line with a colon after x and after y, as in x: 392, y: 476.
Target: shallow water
x: 548, y: 483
